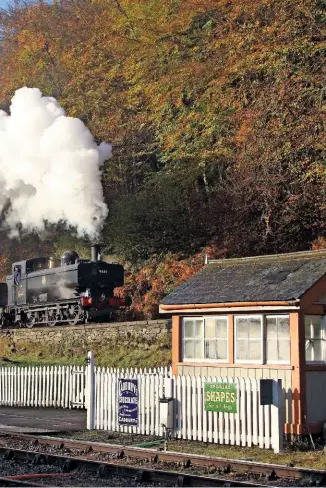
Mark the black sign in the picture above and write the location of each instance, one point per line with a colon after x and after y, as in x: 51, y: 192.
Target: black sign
x: 128, y: 401
x: 266, y: 392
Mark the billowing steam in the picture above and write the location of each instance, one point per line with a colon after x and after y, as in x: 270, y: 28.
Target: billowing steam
x: 49, y: 167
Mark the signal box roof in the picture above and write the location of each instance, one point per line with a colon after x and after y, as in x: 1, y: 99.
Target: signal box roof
x: 282, y: 277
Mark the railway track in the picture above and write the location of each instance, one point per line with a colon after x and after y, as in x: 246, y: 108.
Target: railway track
x: 105, y: 470
x: 227, y: 468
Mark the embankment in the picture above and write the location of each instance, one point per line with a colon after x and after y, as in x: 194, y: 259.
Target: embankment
x: 123, y: 344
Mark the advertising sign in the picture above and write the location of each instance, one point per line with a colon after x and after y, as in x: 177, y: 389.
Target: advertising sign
x: 221, y: 397
x: 128, y: 401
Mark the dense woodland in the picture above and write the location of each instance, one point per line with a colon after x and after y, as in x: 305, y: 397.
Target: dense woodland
x: 216, y: 112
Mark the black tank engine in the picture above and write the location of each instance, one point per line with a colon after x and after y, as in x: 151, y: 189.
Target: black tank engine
x: 50, y: 291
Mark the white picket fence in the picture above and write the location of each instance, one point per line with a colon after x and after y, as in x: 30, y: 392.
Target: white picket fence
x: 252, y: 425
x: 52, y: 386
x: 97, y: 389
x: 43, y: 386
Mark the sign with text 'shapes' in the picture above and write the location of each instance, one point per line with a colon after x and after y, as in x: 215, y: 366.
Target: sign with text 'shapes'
x: 220, y: 397
x: 128, y: 401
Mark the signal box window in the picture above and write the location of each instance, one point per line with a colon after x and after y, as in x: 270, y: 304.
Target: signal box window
x: 277, y: 339
x: 248, y: 335
x: 315, y: 338
x: 205, y: 339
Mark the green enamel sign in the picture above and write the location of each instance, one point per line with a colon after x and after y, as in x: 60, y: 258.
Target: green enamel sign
x: 220, y: 397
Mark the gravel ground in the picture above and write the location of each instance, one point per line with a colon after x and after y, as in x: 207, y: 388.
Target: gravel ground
x: 108, y: 437
x: 94, y: 480
x: 79, y: 477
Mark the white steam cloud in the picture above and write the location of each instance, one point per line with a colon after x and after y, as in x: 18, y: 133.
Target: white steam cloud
x: 49, y: 167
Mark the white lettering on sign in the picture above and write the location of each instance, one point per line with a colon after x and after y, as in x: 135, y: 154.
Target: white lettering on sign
x: 128, y: 386
x: 126, y: 420
x: 103, y: 271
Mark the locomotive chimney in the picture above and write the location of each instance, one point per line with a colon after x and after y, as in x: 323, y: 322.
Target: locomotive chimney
x: 95, y: 252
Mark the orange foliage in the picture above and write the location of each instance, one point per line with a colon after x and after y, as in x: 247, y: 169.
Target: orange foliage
x: 319, y: 243
x: 149, y: 284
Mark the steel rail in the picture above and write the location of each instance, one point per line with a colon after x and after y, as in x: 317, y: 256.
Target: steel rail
x: 225, y: 465
x: 10, y: 482
x: 105, y: 469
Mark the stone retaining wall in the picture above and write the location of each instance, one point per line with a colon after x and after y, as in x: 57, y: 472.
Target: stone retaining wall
x: 121, y: 332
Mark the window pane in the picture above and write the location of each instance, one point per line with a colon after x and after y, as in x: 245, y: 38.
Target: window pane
x: 255, y: 328
x: 199, y: 326
x: 315, y: 319
x: 317, y: 331
x: 188, y: 328
x: 309, y: 351
x: 284, y: 350
x: 317, y: 346
x: 211, y: 349
x: 242, y: 328
x: 210, y: 332
x: 255, y: 350
x: 221, y: 328
x: 199, y: 349
x: 283, y: 328
x: 271, y: 350
x: 189, y: 349
x: 222, y: 352
x: 242, y: 350
x: 307, y: 330
x: 271, y: 327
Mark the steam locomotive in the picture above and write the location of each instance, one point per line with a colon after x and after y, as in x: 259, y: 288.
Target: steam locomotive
x: 48, y: 291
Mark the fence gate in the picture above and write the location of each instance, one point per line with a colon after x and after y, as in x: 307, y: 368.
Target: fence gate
x: 78, y: 388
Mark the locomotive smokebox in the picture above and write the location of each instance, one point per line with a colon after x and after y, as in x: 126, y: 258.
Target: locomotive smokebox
x: 95, y: 252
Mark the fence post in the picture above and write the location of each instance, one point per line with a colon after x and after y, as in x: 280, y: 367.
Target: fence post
x: 90, y: 391
x: 277, y: 434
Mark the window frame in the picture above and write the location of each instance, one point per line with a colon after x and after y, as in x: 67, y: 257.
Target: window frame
x: 265, y: 361
x: 249, y: 361
x: 322, y: 340
x: 203, y: 359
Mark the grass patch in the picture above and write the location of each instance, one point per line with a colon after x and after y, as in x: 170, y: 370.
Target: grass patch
x: 131, y: 352
x: 308, y: 459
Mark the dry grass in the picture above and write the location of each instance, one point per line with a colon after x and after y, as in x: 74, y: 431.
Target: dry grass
x: 308, y: 459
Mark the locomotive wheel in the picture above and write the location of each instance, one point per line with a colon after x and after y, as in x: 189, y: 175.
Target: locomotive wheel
x: 30, y: 320
x: 52, y: 318
x: 74, y: 314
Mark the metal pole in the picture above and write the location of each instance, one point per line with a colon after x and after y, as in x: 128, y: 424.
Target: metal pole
x: 90, y: 391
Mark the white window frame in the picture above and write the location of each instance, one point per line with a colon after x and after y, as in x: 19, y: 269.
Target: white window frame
x: 203, y: 359
x: 249, y: 361
x: 322, y: 339
x: 265, y: 338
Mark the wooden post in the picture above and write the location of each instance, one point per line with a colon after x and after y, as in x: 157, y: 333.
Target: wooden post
x: 277, y: 417
x: 90, y: 391
x: 297, y: 334
x: 176, y: 343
